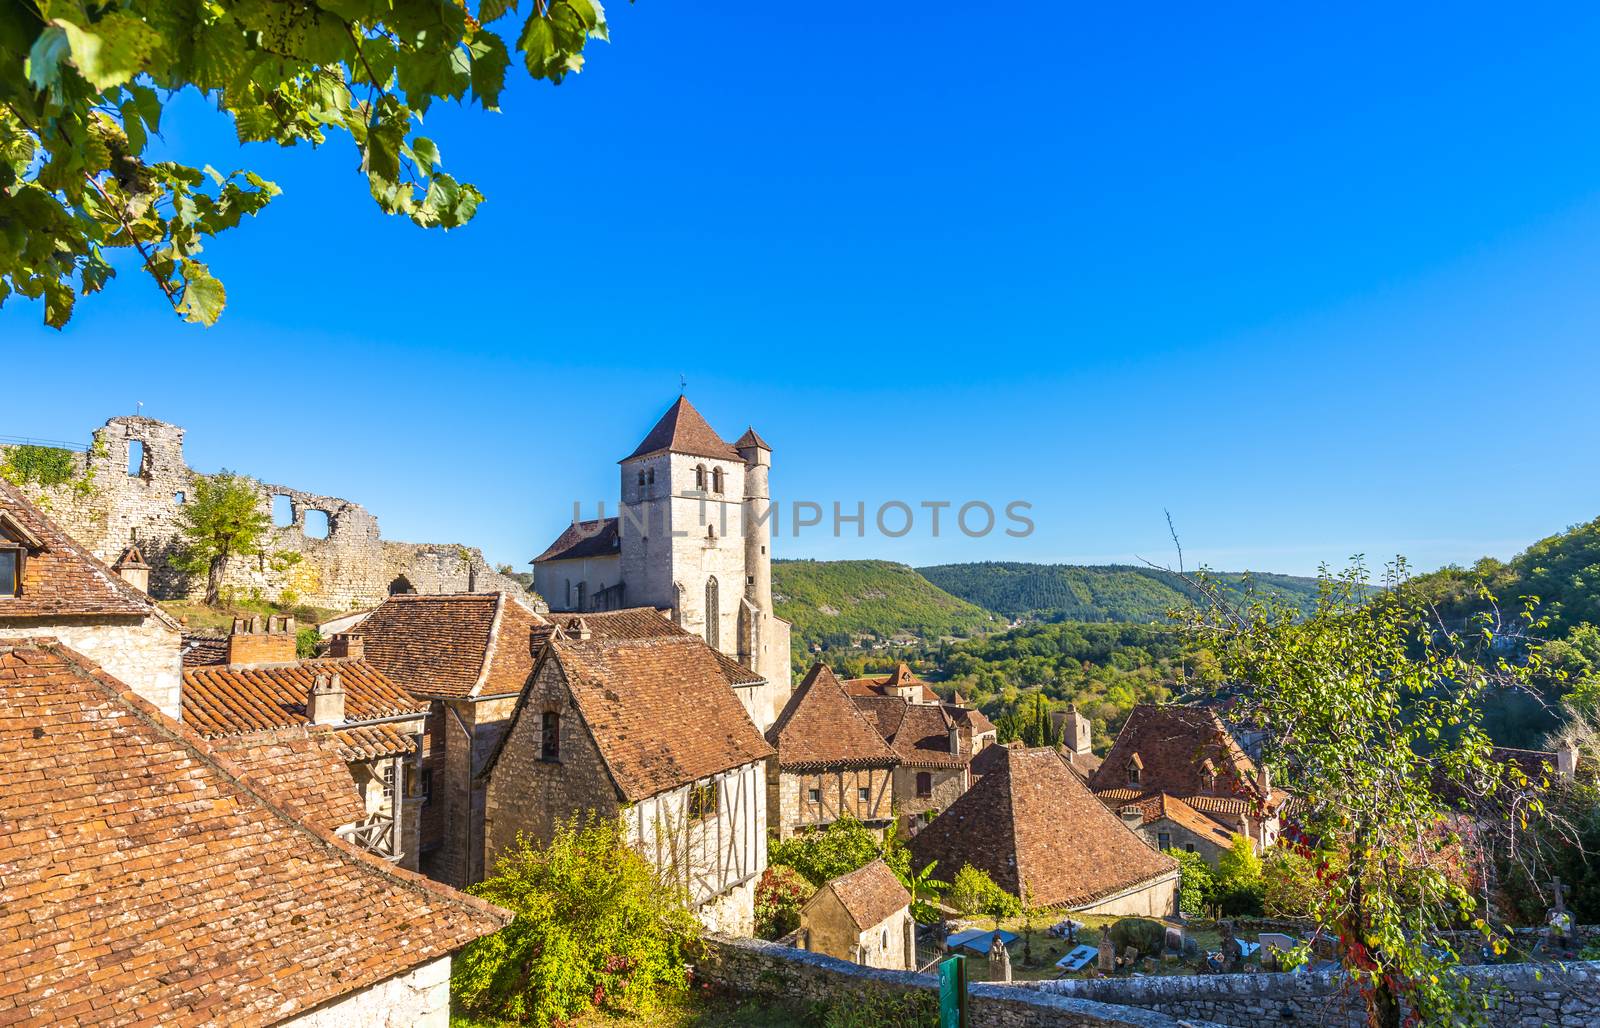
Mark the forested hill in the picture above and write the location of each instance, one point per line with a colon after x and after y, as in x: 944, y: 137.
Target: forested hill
x: 831, y: 602
x: 1072, y: 592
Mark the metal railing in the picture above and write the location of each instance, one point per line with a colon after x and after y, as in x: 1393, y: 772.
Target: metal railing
x: 54, y: 444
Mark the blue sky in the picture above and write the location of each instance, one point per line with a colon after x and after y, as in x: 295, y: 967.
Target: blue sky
x: 1317, y: 285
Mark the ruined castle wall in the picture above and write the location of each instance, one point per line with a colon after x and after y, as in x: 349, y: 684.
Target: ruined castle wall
x: 133, y: 483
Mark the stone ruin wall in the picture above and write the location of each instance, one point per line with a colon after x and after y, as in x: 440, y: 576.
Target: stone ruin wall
x: 352, y: 567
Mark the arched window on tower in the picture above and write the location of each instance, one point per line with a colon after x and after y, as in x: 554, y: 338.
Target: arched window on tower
x: 641, y: 476
x: 713, y: 615
x: 650, y: 476
x: 716, y: 481
x: 700, y: 477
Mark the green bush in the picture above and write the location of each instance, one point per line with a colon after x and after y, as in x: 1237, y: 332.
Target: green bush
x: 1288, y: 884
x: 594, y: 927
x: 838, y: 849
x: 780, y: 894
x: 1197, y: 889
x: 1147, y: 936
x: 973, y: 892
x: 879, y: 1008
x: 1239, y: 885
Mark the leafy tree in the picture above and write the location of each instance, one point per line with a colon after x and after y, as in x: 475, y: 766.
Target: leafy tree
x: 843, y: 846
x: 77, y: 113
x: 222, y: 519
x: 1197, y: 884
x: 1238, y: 883
x: 973, y: 892
x: 1370, y: 709
x: 595, y: 927
x: 1288, y: 882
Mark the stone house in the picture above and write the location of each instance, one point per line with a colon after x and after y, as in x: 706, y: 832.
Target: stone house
x: 467, y: 655
x: 693, y: 536
x: 272, y: 712
x: 647, y: 730
x: 1042, y: 835
x: 934, y: 754
x: 52, y: 586
x: 863, y: 917
x: 1175, y: 766
x: 150, y: 879
x: 831, y: 761
x: 901, y: 683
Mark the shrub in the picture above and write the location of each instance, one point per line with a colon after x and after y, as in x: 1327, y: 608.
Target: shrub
x: 973, y: 892
x: 306, y: 641
x: 1197, y: 890
x: 879, y: 1008
x: 1288, y: 884
x: 780, y: 894
x: 1147, y: 936
x: 838, y: 849
x: 594, y: 927
x: 1239, y: 887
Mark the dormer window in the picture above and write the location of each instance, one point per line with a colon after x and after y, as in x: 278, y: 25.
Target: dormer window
x: 1135, y: 767
x: 15, y: 544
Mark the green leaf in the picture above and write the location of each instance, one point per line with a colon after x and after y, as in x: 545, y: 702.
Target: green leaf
x: 494, y: 10
x: 489, y: 63
x: 114, y: 49
x: 538, y: 45
x: 425, y: 153
x: 133, y: 127
x: 44, y: 59
x: 148, y: 104
x: 203, y: 295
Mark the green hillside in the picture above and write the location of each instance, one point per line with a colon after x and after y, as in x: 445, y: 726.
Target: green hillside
x: 833, y: 602
x: 1071, y: 592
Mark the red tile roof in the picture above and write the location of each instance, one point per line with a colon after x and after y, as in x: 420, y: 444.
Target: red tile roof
x: 635, y: 623
x: 61, y: 578
x: 821, y: 728
x: 682, y: 430
x: 901, y: 678
x: 1172, y: 742
x: 597, y: 538
x: 660, y: 711
x: 224, y: 700
x: 750, y: 438
x: 305, y: 771
x: 453, y: 646
x: 919, y: 733
x: 869, y: 894
x: 1161, y: 807
x: 146, y: 878
x: 1030, y: 823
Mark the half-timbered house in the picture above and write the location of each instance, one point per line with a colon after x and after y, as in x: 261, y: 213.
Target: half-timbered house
x: 831, y: 761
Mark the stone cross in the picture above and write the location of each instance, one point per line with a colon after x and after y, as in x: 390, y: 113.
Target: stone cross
x: 1108, y: 959
x: 999, y: 960
x: 1559, y: 891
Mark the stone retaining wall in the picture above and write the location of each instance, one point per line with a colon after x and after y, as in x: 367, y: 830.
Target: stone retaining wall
x: 764, y: 968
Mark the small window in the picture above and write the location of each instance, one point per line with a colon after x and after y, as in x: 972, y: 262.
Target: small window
x: 1133, y: 775
x: 864, y: 795
x: 282, y: 510
x: 135, y: 458
x: 569, y: 592
x: 700, y: 477
x: 924, y: 784
x: 703, y: 802
x: 388, y: 779
x: 1188, y: 847
x: 1164, y: 840
x: 10, y: 571
x: 716, y: 481
x: 711, y: 532
x: 179, y: 498
x: 814, y: 795
x: 425, y: 784
x: 641, y: 476
x: 650, y: 476
x: 885, y: 943
x: 583, y: 594
x: 550, y: 736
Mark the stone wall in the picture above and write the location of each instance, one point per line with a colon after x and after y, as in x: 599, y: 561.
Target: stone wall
x: 948, y: 785
x: 419, y: 999
x: 138, y: 485
x: 1563, y: 996
x: 758, y: 968
x: 142, y: 652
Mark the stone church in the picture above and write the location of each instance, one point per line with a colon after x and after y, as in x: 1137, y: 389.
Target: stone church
x: 693, y: 537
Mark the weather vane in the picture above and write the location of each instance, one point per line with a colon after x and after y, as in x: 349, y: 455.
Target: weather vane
x: 683, y: 384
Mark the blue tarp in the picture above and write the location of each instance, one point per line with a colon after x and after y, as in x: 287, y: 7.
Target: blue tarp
x: 976, y: 940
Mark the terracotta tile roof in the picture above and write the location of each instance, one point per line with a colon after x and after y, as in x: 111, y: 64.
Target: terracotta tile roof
x: 453, y: 646
x: 885, y: 712
x: 371, y: 742
x: 659, y: 710
x: 597, y: 538
x: 1030, y: 823
x: 635, y: 623
x: 146, y: 878
x: 1172, y: 742
x: 682, y: 430
x: 869, y: 894
x: 923, y: 738
x: 61, y: 578
x: 901, y: 678
x: 305, y: 771
x: 1161, y: 807
x: 970, y: 719
x: 1084, y: 765
x: 224, y: 700
x: 203, y: 649
x: 821, y: 728
x: 750, y: 438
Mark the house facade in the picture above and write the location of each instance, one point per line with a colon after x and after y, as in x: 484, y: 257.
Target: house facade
x: 648, y: 730
x: 830, y: 762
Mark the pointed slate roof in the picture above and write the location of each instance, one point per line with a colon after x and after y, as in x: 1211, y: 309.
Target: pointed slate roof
x: 821, y: 727
x: 750, y: 438
x: 1031, y: 824
x: 682, y: 430
x: 597, y: 538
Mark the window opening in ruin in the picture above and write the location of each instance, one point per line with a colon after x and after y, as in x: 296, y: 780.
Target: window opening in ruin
x: 10, y: 571
x: 401, y: 586
x: 179, y: 498
x: 924, y: 784
x: 713, y: 615
x: 550, y: 736
x: 135, y: 458
x: 703, y: 802
x: 282, y: 510
x: 318, y: 524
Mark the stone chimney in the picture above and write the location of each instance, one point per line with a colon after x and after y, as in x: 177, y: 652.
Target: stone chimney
x: 579, y: 630
x: 251, y: 644
x: 1264, y: 779
x: 325, y: 705
x: 955, y: 738
x: 131, y: 568
x: 1567, y: 760
x: 347, y: 646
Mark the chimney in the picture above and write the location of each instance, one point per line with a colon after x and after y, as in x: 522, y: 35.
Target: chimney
x: 955, y: 739
x: 1567, y: 760
x: 1264, y: 779
x: 325, y: 705
x: 1133, y: 817
x: 579, y: 630
x: 347, y: 646
x: 131, y: 568
x: 248, y: 645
